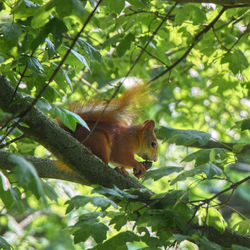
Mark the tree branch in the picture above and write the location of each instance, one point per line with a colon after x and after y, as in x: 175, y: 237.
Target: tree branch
x: 45, y: 168
x: 194, y: 43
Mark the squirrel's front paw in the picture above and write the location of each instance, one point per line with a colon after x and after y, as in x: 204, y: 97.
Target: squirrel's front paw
x: 139, y: 171
x: 122, y: 171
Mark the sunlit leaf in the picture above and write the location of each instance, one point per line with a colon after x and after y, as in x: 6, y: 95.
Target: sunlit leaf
x: 125, y: 44
x: 119, y: 241
x: 51, y: 48
x: 70, y: 119
x: 242, y: 227
x: 11, y: 31
x: 183, y: 137
x: 24, y: 8
x: 156, y: 174
x: 116, y: 5
x: 88, y: 226
x: 90, y: 50
x: 34, y: 65
x: 81, y: 201
x: 27, y: 176
x: 115, y: 192
x: 80, y: 58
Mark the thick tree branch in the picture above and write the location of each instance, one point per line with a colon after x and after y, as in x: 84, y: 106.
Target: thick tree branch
x: 45, y: 168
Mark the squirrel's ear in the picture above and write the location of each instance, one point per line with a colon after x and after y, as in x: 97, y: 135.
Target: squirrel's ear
x: 149, y: 124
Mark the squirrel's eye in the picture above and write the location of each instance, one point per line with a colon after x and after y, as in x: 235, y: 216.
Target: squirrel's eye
x: 153, y: 144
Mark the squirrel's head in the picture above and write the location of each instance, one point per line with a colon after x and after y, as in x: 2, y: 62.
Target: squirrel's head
x: 148, y: 146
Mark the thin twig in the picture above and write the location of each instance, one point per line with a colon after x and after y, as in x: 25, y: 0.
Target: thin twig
x: 153, y: 56
x: 11, y: 141
x: 196, y: 40
x: 20, y: 80
x: 233, y: 186
x: 208, y: 201
x: 218, y: 40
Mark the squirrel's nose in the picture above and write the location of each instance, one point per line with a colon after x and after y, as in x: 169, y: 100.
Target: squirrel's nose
x: 155, y: 157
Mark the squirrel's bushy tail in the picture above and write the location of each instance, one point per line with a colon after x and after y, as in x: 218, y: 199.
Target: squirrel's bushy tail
x: 120, y: 110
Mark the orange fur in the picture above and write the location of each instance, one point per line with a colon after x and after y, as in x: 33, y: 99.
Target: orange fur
x: 114, y: 139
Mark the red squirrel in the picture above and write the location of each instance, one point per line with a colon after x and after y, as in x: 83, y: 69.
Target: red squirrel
x: 114, y: 138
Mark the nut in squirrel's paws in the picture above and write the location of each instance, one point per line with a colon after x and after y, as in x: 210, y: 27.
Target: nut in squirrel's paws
x: 147, y: 164
x: 139, y: 171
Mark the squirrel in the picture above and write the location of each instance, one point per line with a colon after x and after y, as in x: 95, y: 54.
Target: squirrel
x: 114, y: 139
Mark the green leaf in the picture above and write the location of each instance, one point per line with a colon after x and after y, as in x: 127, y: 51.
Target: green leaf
x: 90, y: 50
x: 190, y: 12
x: 171, y: 198
x: 245, y: 125
x: 41, y: 15
x: 237, y: 148
x: 55, y: 27
x: 216, y: 220
x: 4, y: 244
x: 89, y: 226
x: 51, y: 48
x: 183, y: 137
x: 115, y: 192
x: 62, y: 79
x: 237, y: 61
x: 70, y: 7
x: 116, y: 5
x: 157, y: 174
x: 34, y: 65
x: 11, y: 31
x: 67, y: 79
x: 81, y: 201
x: 80, y: 58
x: 119, y: 221
x: 124, y: 45
x: 70, y: 119
x: 209, y: 169
x: 50, y: 191
x: 139, y: 3
x: 242, y: 227
x: 203, y: 156
x: 43, y: 105
x: 198, y: 15
x: 118, y: 241
x: 6, y: 195
x: 27, y: 176
x: 24, y: 8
